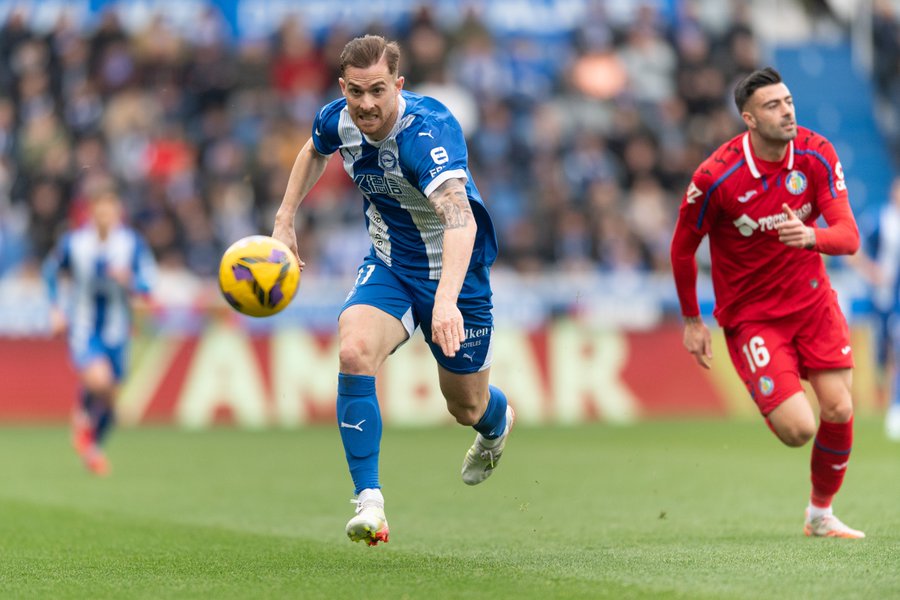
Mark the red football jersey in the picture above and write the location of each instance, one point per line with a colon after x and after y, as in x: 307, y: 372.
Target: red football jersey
x: 736, y: 198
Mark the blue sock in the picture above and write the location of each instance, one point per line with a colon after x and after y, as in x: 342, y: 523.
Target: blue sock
x: 895, y: 392
x: 493, y: 422
x: 103, y: 423
x: 87, y: 402
x: 359, y: 421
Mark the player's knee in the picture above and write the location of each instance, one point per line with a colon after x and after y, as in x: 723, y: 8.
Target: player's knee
x: 797, y: 435
x: 356, y: 357
x: 840, y: 413
x: 98, y: 379
x: 465, y: 414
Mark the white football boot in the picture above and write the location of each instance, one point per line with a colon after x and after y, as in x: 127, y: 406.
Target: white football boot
x: 829, y: 526
x: 369, y: 525
x: 484, y: 454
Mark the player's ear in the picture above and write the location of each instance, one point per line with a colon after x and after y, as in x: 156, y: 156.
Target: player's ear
x: 400, y: 81
x: 749, y: 119
x: 343, y: 85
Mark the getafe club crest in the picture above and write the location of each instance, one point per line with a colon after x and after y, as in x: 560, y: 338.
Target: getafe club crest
x: 795, y: 182
x: 766, y: 385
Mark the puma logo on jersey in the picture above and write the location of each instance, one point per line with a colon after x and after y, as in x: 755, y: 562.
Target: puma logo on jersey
x: 426, y: 134
x: 692, y: 193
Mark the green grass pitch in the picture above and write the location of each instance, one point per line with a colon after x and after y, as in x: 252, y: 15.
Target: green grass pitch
x: 687, y: 509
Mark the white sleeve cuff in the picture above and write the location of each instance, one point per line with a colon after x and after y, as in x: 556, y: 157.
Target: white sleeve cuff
x: 442, y: 177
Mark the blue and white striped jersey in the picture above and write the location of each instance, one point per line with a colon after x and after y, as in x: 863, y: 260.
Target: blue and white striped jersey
x: 425, y: 148
x: 100, y: 306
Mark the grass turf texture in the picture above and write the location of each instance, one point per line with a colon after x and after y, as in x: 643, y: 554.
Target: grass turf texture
x: 660, y: 510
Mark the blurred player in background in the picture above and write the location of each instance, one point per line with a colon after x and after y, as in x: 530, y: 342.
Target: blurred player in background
x: 108, y: 263
x: 758, y: 197
x: 432, y: 246
x: 879, y: 264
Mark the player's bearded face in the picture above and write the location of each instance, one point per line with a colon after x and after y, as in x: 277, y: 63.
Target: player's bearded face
x: 773, y: 111
x: 105, y: 211
x: 372, y: 97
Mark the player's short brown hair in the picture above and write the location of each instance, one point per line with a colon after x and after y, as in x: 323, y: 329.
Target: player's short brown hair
x: 365, y: 51
x: 752, y: 82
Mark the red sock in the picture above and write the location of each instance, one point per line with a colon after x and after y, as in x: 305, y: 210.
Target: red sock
x: 830, y: 454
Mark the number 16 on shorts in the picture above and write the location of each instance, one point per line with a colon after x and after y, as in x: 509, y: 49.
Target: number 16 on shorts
x: 756, y: 353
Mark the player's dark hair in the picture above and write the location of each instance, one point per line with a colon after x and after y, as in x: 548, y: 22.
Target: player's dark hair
x: 365, y: 51
x: 752, y: 82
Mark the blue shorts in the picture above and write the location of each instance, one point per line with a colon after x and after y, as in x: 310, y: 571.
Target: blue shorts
x: 411, y: 301
x: 84, y: 355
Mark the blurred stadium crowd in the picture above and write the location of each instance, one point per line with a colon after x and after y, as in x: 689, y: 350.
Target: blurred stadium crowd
x: 581, y: 146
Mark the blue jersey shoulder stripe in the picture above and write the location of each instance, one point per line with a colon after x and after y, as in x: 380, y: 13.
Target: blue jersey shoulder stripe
x: 824, y: 161
x: 718, y: 182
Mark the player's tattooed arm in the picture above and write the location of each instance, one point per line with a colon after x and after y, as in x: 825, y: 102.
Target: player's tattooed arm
x: 451, y: 204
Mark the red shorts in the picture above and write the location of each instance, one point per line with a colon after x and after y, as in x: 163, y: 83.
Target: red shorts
x: 772, y: 356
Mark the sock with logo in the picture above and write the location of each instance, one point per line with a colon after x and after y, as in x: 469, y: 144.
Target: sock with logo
x: 359, y: 421
x: 493, y: 421
x: 830, y: 454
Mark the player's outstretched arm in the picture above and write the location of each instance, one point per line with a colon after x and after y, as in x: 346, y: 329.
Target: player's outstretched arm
x: 308, y: 168
x: 451, y: 203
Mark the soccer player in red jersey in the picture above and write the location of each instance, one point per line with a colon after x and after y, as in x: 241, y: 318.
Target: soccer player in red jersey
x: 757, y: 197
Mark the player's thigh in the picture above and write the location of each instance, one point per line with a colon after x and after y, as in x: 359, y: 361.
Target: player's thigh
x: 376, y: 318
x: 833, y: 392
x: 766, y: 361
x: 823, y: 340
x: 465, y: 389
x: 474, y: 303
x: 96, y: 369
x: 368, y: 335
x: 466, y: 394
x: 793, y: 420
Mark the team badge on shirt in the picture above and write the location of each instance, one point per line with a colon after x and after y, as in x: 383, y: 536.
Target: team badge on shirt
x: 766, y: 385
x: 387, y: 160
x: 795, y: 182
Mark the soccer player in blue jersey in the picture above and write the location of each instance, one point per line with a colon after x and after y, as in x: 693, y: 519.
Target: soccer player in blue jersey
x: 107, y: 263
x: 432, y: 246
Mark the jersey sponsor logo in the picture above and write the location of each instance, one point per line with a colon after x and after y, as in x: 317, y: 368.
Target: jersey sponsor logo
x: 387, y: 160
x: 370, y: 183
x: 476, y: 332
x: 769, y: 222
x: 746, y: 225
x: 840, y: 184
x: 692, y: 193
x: 795, y: 182
x: 766, y: 385
x: 746, y: 197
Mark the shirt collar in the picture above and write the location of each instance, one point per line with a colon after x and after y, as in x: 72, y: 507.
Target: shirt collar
x: 751, y: 162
